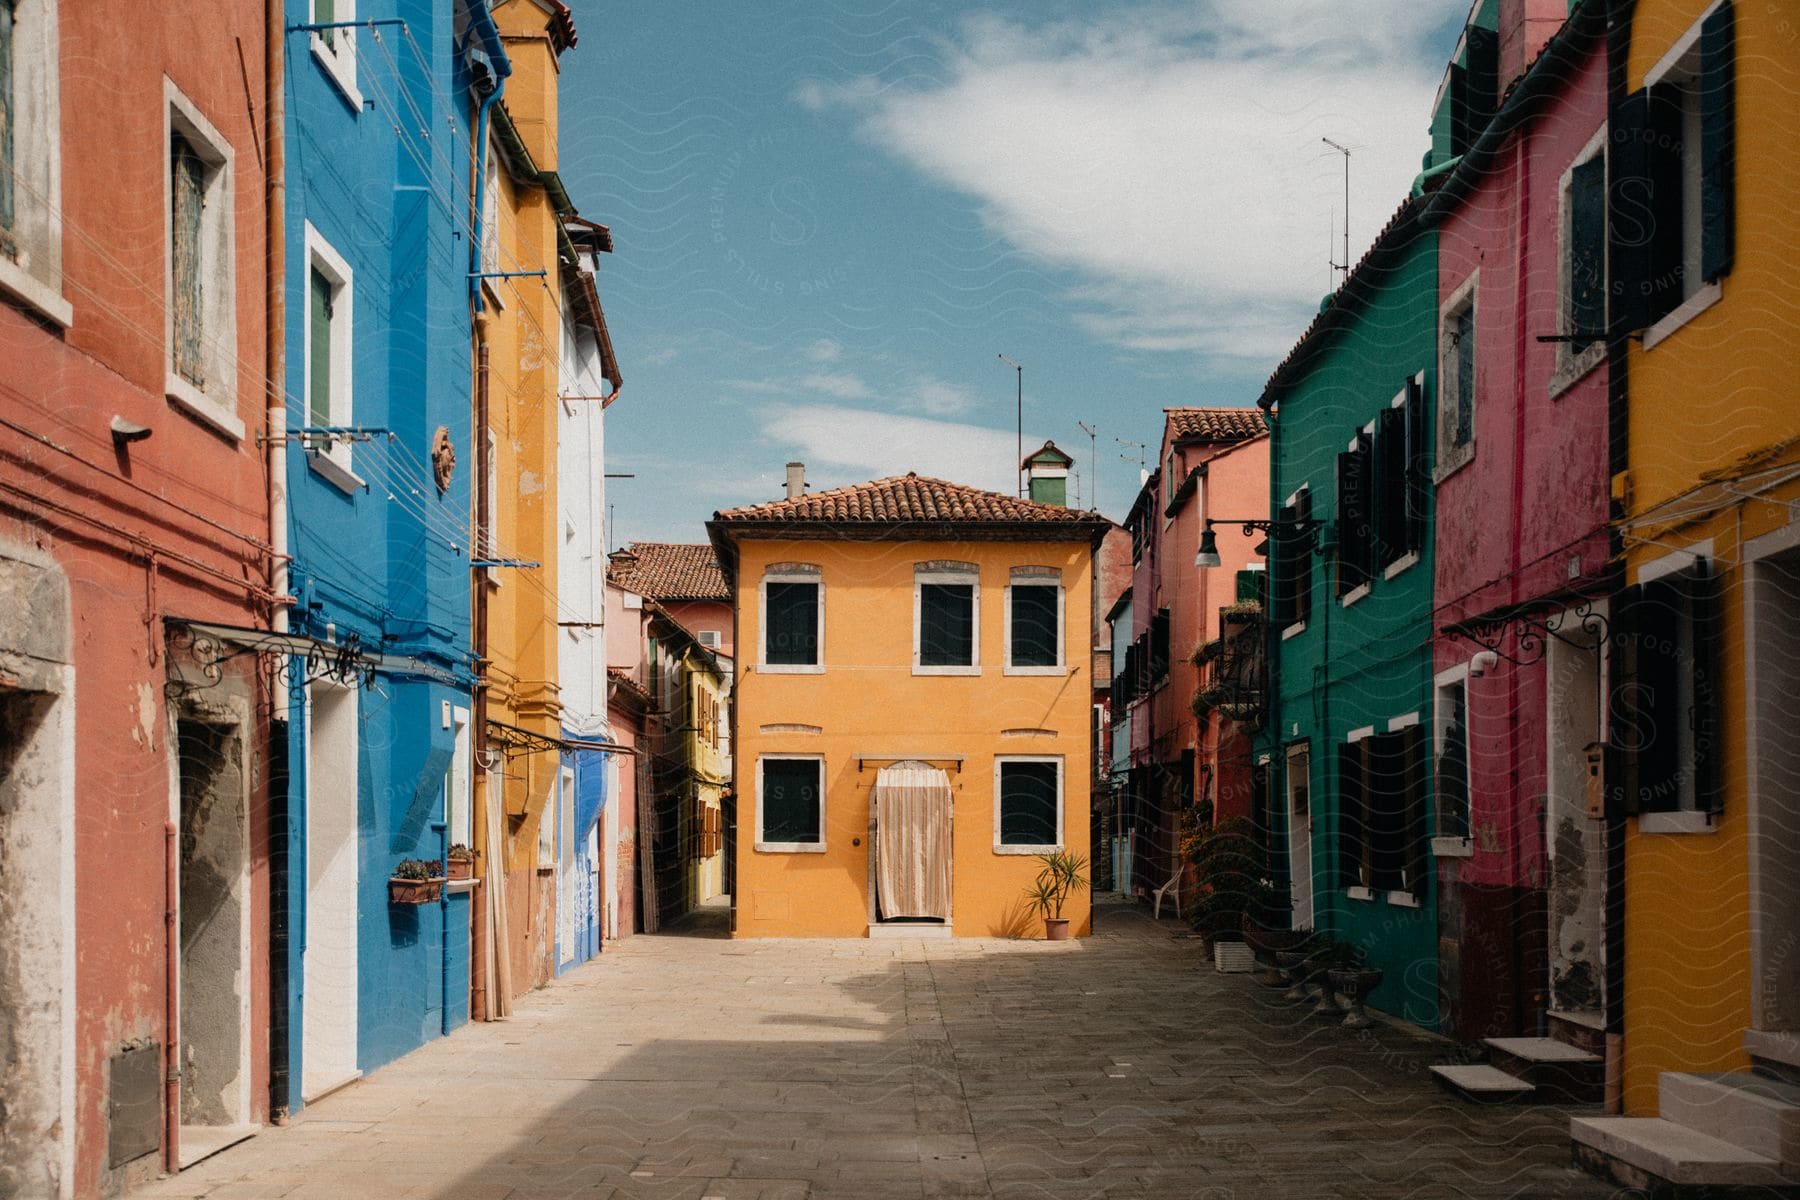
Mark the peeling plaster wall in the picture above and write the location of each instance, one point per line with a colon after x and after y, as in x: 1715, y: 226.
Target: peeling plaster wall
x: 212, y: 922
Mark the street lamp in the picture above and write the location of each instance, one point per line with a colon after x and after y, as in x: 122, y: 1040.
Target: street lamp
x: 1019, y: 467
x: 1207, y: 555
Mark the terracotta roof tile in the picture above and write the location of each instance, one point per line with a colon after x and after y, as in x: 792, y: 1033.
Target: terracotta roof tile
x: 1216, y: 424
x: 908, y: 498
x: 671, y: 571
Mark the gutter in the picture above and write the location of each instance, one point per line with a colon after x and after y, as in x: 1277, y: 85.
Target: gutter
x: 482, y: 24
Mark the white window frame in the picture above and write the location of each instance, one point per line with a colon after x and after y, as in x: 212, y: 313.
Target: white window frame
x: 338, y: 62
x: 1451, y: 457
x: 1571, y: 365
x: 35, y: 277
x: 1687, y: 816
x: 955, y: 575
x: 1000, y: 760
x: 1442, y: 683
x: 215, y: 404
x: 459, y: 780
x: 547, y: 819
x: 1051, y: 578
x: 788, y: 573
x: 763, y: 847
x: 710, y: 638
x: 1681, y: 65
x: 330, y: 457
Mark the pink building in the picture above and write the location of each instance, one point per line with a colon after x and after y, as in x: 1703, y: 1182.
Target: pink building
x: 1213, y: 464
x: 1522, y: 547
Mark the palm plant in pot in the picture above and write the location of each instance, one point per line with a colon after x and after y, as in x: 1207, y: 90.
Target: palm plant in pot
x: 1060, y: 877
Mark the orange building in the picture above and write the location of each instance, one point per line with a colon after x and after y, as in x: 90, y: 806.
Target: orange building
x: 912, y: 707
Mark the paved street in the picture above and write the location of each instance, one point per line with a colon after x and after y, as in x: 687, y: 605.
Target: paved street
x: 694, y: 1067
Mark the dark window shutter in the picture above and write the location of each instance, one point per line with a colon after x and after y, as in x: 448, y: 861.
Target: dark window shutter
x: 1353, y: 834
x: 1453, y: 771
x: 1281, y: 558
x: 1587, y: 247
x: 1644, y: 208
x: 1390, y: 492
x: 1473, y: 88
x: 188, y: 193
x: 1702, y: 595
x: 1657, y: 705
x: 1415, y: 824
x: 790, y: 800
x: 319, y: 354
x: 792, y: 638
x: 1159, y: 645
x: 1300, y: 558
x: 1625, y: 702
x: 1717, y: 138
x: 1028, y: 804
x: 946, y: 625
x: 1418, y: 471
x: 1036, y: 636
x: 1459, y: 110
x: 1352, y: 519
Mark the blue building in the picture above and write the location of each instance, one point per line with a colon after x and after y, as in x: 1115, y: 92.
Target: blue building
x: 378, y: 410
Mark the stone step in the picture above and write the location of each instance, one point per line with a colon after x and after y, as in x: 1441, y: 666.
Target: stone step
x: 1762, y: 1115
x: 1558, y: 1070
x: 1653, y: 1155
x: 1584, y: 1029
x: 1481, y: 1083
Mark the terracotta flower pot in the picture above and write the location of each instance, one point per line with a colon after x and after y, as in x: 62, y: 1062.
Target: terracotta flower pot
x: 1056, y: 929
x: 461, y: 868
x: 415, y: 891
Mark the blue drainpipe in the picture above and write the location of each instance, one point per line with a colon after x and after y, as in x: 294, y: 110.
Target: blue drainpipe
x: 489, y: 33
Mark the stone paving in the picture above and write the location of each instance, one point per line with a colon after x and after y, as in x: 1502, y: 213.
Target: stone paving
x: 694, y: 1067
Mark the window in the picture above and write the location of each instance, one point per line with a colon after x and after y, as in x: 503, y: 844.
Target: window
x: 548, y: 820
x: 1381, y: 811
x: 793, y: 619
x: 946, y: 621
x: 1355, y: 469
x: 457, y: 780
x: 1034, y: 619
x: 1457, y: 378
x: 335, y: 49
x: 1290, y: 561
x: 328, y: 368
x: 201, y: 325
x: 1399, y: 478
x: 1672, y: 187
x: 31, y: 159
x: 1299, y: 785
x: 790, y: 804
x: 1666, y: 699
x: 1028, y: 805
x: 1582, y: 275
x: 710, y: 639
x: 1451, y: 752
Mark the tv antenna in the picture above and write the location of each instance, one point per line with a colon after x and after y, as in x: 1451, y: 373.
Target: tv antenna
x: 1140, y: 447
x: 1093, y: 432
x: 1345, y: 265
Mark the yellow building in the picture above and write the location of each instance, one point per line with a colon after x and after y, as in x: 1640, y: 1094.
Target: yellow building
x: 518, y: 345
x: 691, y: 767
x: 912, y: 705
x: 1706, y: 636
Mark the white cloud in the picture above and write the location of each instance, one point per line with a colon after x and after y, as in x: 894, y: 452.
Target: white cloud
x: 824, y: 350
x: 841, y: 384
x: 938, y: 398
x: 848, y: 445
x: 1172, y: 154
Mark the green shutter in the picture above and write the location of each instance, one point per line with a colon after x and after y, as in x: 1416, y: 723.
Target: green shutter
x: 790, y: 801
x: 1587, y: 247
x: 1282, y: 591
x: 319, y: 353
x: 1388, y: 496
x: 1352, y: 519
x: 1036, y: 635
x: 1301, y: 555
x: 1028, y: 804
x: 1718, y: 159
x: 1352, y: 814
x: 1644, y: 207
x: 1660, y: 713
x: 792, y: 613
x: 188, y: 193
x: 1418, y: 471
x: 324, y: 13
x: 946, y: 625
x: 1702, y: 601
x: 6, y: 128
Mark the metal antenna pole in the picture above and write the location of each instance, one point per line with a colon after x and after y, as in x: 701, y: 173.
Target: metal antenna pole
x: 1019, y: 468
x: 1345, y: 151
x: 1093, y: 433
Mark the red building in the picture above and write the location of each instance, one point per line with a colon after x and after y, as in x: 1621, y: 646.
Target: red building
x: 1522, y: 545
x: 134, y: 532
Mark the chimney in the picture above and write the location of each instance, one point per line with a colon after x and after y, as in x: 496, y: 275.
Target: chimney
x: 1047, y: 475
x: 1525, y: 25
x: 796, y: 480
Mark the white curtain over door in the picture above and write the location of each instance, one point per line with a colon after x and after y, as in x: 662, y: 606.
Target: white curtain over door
x: 912, y: 841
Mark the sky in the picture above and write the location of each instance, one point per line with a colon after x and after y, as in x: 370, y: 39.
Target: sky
x: 832, y: 218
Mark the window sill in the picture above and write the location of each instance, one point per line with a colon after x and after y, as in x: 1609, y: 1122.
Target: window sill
x: 790, y: 669
x: 1403, y: 900
x: 917, y: 670
x: 1042, y: 671
x: 335, y: 473
x: 42, y: 299
x: 1354, y: 594
x: 1294, y: 630
x: 1359, y: 893
x: 1708, y: 295
x: 790, y: 847
x: 456, y: 887
x: 340, y: 67
x: 198, y: 404
x: 1028, y: 850
x: 1452, y: 847
x: 1677, y: 822
x: 1572, y: 372
x: 1400, y: 565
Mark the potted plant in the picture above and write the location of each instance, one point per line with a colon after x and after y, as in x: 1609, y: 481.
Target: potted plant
x: 1231, y: 883
x: 415, y: 881
x: 461, y: 862
x: 1352, y: 979
x: 1060, y: 877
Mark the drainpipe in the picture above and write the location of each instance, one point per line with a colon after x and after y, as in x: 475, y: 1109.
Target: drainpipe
x: 489, y: 34
x: 478, y: 702
x: 275, y: 357
x: 172, y: 1001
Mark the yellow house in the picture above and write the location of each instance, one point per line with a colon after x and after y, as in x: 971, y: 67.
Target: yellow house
x: 1706, y: 635
x: 691, y: 767
x: 911, y: 722
x: 518, y: 345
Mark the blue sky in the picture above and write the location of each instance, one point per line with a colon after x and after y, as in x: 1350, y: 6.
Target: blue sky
x: 831, y: 218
